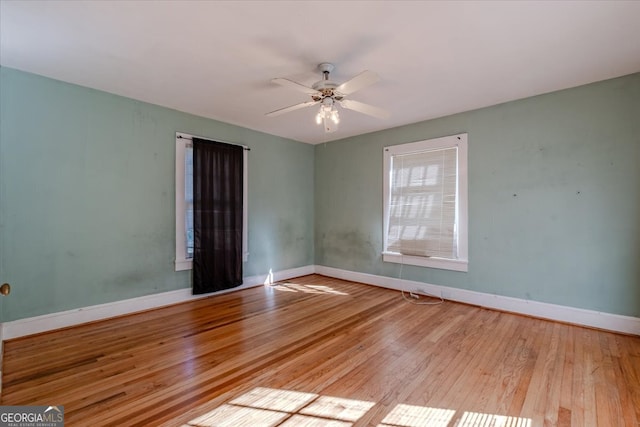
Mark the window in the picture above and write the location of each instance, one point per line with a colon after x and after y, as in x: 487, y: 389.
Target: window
x: 425, y: 203
x: 184, y: 203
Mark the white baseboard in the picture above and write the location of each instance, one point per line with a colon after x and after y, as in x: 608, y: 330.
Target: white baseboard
x: 577, y: 316
x: 595, y: 319
x: 63, y: 319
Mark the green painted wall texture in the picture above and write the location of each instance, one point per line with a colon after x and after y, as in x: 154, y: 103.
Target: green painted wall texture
x: 87, y: 196
x: 554, y: 198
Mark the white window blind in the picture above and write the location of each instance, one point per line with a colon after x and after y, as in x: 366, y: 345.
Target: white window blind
x: 422, y: 205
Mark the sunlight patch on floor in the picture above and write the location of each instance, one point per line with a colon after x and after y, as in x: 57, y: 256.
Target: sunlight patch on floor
x: 304, y: 421
x: 269, y: 407
x: 307, y: 289
x: 416, y: 416
x: 476, y: 419
x: 238, y: 416
x: 275, y: 400
x: 338, y: 408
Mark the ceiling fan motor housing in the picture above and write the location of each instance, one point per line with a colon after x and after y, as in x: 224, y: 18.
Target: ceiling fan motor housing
x: 325, y: 86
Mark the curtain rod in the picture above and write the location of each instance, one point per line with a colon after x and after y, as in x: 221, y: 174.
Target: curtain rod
x: 190, y: 138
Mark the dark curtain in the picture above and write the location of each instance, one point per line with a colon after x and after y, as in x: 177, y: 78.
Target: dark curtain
x: 217, y: 216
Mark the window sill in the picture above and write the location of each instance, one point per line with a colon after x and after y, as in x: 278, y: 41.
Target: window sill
x: 183, y: 264
x: 441, y: 263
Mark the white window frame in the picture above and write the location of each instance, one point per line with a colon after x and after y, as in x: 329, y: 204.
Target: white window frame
x: 461, y: 263
x: 182, y: 262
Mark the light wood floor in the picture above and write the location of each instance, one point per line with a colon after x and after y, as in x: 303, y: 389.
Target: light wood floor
x: 324, y: 352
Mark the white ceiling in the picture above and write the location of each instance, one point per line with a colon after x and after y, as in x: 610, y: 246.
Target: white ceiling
x: 217, y: 59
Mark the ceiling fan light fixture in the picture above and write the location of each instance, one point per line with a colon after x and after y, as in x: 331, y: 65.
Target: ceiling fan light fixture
x: 334, y: 116
x: 327, y: 113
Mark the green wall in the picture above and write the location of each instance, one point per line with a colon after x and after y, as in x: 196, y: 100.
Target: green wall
x: 87, y: 195
x: 554, y: 198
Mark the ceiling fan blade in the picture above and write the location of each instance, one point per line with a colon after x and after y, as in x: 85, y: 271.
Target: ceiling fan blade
x: 291, y: 108
x: 360, y: 81
x: 295, y: 85
x: 363, y: 108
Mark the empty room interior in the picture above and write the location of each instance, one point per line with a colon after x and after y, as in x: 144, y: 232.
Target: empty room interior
x: 320, y: 213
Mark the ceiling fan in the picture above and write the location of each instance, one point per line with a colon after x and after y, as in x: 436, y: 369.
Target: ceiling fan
x: 329, y: 94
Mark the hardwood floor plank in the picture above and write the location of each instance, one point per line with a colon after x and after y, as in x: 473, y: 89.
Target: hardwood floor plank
x: 566, y: 387
x: 483, y: 395
x: 317, y: 350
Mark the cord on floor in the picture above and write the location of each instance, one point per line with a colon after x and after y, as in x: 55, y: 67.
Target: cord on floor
x: 414, y: 298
